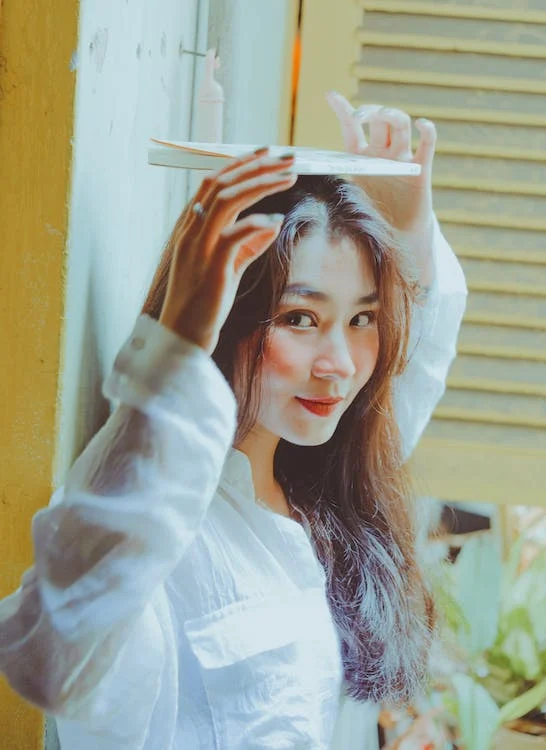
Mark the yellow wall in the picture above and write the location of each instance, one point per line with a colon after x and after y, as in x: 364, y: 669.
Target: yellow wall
x: 37, y: 40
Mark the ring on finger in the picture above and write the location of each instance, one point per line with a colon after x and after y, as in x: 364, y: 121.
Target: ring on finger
x: 198, y: 209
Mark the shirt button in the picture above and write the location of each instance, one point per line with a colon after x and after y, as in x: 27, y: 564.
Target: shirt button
x: 137, y: 343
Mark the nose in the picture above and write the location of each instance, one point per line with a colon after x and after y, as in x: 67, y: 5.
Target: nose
x: 334, y: 360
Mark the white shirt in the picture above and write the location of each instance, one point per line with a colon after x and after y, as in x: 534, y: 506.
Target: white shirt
x: 166, y: 609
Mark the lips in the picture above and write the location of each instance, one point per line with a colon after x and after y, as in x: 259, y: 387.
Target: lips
x: 322, y: 407
x: 320, y: 400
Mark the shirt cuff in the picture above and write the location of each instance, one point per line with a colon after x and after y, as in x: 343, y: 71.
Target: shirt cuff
x: 448, y: 283
x: 158, y: 370
x: 448, y: 274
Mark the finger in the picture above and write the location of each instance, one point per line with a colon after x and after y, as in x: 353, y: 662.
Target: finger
x: 215, y: 296
x: 363, y: 113
x: 256, y: 168
x: 246, y: 171
x: 245, y: 241
x: 258, y: 243
x: 379, y: 131
x: 207, y: 186
x: 258, y: 153
x: 351, y: 130
x: 233, y: 165
x: 399, y: 123
x: 424, y: 155
x: 231, y: 201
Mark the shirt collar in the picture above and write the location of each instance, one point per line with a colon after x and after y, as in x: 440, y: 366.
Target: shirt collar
x: 237, y: 473
x: 237, y: 478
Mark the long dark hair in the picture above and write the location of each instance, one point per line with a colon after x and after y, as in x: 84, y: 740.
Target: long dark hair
x: 353, y: 489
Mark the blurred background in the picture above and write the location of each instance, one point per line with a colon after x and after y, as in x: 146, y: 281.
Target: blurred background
x: 84, y: 84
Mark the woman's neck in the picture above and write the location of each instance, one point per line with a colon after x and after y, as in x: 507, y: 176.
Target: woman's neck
x: 259, y: 446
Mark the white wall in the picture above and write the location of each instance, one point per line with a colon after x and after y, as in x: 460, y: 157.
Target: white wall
x: 255, y: 57
x: 133, y: 82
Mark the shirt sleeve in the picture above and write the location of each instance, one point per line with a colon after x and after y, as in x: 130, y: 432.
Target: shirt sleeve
x: 432, y: 346
x: 131, y: 505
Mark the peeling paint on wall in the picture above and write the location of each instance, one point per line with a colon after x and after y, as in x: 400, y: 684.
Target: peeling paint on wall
x: 98, y: 47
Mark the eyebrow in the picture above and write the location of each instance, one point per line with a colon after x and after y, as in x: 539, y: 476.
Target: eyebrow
x: 301, y: 290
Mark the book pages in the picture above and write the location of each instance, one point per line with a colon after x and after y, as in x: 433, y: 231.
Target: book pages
x: 213, y: 156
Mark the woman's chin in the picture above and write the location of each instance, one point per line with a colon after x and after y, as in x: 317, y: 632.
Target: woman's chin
x: 309, y: 443
x: 310, y: 437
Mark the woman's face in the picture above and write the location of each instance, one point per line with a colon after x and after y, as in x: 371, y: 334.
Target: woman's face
x: 324, y: 342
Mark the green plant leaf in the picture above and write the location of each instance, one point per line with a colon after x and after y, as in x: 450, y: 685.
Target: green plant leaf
x: 502, y: 692
x: 521, y: 649
x: 449, y: 607
x: 521, y: 705
x: 527, y: 590
x: 500, y: 645
x: 477, y: 712
x: 530, y: 591
x: 477, y: 572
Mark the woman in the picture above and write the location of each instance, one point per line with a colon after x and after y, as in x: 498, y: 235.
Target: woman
x: 238, y: 536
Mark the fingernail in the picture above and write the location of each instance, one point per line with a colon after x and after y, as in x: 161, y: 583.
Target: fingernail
x: 262, y: 150
x: 275, y: 218
x: 288, y: 174
x: 286, y: 156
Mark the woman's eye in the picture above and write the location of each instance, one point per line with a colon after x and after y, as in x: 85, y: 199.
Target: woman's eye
x: 299, y: 320
x: 365, y: 319
x: 305, y: 320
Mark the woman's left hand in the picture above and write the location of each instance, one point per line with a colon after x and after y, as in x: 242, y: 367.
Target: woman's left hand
x: 405, y: 201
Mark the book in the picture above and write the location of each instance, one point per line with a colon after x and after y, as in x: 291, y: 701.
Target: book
x: 213, y: 156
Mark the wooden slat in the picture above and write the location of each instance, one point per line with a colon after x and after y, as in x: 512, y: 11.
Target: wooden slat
x: 502, y: 352
x: 471, y: 12
x: 449, y: 80
x: 497, y: 386
x: 449, y: 44
x: 483, y: 416
x: 491, y: 186
x: 525, y: 290
x: 529, y: 257
x: 504, y: 321
x: 462, y: 114
x: 490, y: 152
x: 497, y: 221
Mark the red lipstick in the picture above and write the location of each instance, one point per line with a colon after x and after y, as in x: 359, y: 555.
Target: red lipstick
x: 322, y: 407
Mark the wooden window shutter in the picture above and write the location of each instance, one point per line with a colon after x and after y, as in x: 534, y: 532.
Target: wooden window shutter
x: 478, y: 69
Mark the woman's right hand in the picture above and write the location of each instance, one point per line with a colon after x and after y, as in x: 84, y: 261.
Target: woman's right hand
x: 212, y: 249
